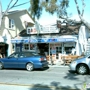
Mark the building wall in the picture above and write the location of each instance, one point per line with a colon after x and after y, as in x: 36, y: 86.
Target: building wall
x: 19, y: 20
x: 7, y: 40
x: 84, y: 34
x: 18, y: 23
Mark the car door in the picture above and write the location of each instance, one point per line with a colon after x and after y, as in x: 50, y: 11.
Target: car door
x: 11, y: 61
x: 89, y: 61
x: 23, y: 59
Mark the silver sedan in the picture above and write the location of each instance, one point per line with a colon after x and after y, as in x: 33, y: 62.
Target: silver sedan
x: 81, y: 65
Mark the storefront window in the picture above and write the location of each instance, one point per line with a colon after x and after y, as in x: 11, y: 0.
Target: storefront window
x: 26, y: 46
x: 13, y: 47
x: 58, y: 49
x: 68, y: 50
x: 29, y: 46
x: 32, y: 46
x: 68, y: 47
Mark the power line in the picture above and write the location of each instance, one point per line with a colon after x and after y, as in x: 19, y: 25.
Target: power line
x: 21, y: 4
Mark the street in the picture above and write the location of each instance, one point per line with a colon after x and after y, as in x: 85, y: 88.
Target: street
x: 53, y: 78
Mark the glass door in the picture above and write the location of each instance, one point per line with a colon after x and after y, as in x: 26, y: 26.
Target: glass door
x: 58, y: 50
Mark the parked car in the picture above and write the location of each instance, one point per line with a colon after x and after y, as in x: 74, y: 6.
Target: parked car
x: 81, y: 65
x: 24, y: 60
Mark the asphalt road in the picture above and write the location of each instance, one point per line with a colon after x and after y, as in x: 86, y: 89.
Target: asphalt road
x: 54, y: 78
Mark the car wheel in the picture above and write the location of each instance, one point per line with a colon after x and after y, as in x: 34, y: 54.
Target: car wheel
x: 82, y: 69
x: 1, y: 66
x: 29, y: 66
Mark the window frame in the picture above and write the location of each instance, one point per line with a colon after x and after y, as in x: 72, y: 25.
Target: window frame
x: 11, y: 23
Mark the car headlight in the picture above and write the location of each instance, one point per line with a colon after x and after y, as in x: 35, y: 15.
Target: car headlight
x: 74, y: 62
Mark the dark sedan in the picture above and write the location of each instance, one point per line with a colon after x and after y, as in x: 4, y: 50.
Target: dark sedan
x: 24, y: 60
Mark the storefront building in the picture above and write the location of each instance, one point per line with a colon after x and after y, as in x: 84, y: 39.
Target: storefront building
x: 48, y: 46
x: 50, y: 41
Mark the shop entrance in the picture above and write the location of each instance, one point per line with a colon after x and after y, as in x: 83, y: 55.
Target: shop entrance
x: 3, y: 49
x: 58, y: 50
x: 43, y: 47
x: 55, y: 49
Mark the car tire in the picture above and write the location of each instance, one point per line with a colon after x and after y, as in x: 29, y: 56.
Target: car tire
x: 82, y: 69
x: 29, y: 66
x: 1, y: 66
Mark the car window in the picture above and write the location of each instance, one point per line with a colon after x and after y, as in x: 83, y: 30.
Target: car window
x: 22, y: 55
x: 14, y: 55
x: 32, y: 54
x: 35, y: 54
x: 27, y: 54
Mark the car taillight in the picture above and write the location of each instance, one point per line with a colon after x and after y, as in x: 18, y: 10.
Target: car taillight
x: 41, y: 59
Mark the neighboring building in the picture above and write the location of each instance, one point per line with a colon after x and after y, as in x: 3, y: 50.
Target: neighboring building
x: 13, y: 22
x: 84, y: 40
x: 82, y: 45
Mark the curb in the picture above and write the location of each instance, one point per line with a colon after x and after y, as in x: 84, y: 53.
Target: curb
x: 58, y: 65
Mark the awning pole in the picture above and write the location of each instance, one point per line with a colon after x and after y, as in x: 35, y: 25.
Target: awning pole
x: 62, y: 47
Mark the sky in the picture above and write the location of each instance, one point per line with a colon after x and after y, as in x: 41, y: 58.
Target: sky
x: 47, y: 18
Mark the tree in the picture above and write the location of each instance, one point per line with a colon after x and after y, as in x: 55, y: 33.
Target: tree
x: 60, y: 7
x: 80, y: 13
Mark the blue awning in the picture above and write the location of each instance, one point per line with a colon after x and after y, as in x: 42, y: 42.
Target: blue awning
x: 44, y: 40
x: 16, y: 41
x: 24, y: 41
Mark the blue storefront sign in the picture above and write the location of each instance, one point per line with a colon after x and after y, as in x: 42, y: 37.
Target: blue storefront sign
x: 52, y: 40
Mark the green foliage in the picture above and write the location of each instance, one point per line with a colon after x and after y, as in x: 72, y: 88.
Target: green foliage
x: 51, y: 6
x: 64, y: 3
x: 84, y: 86
x: 35, y: 8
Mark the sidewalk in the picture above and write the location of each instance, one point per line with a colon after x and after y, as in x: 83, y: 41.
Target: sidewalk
x: 58, y: 65
x: 31, y: 87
